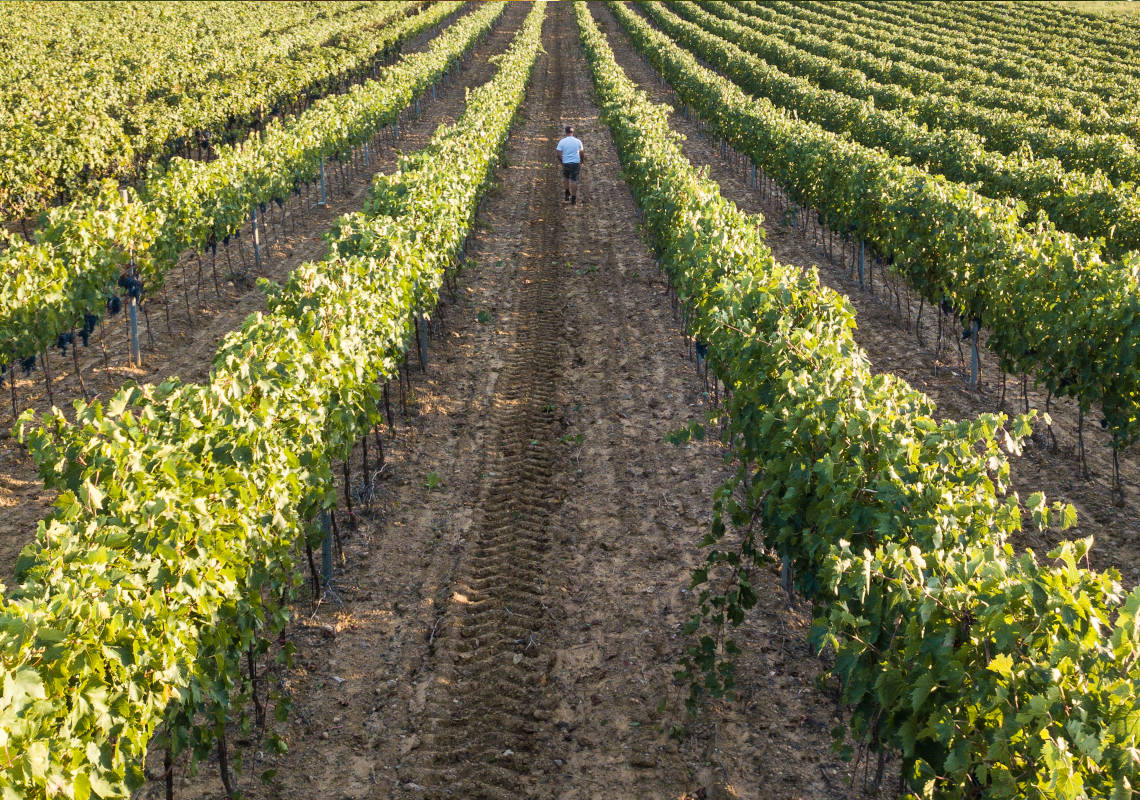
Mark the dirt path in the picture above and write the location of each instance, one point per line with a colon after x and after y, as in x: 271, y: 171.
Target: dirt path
x: 887, y: 332
x: 186, y: 348
x: 514, y: 598
x: 489, y: 703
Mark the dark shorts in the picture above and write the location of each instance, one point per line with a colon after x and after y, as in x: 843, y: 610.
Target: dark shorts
x: 571, y: 171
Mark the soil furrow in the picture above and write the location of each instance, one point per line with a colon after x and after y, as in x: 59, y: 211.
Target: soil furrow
x: 497, y: 641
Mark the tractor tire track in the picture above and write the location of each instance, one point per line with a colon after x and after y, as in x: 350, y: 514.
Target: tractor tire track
x: 488, y: 722
x: 515, y: 600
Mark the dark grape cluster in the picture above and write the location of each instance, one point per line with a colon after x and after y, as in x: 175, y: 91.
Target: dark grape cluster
x: 132, y: 285
x: 64, y: 341
x: 89, y: 322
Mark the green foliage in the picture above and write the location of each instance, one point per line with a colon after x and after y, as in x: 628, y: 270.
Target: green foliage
x: 92, y: 90
x: 918, y: 127
x: 1054, y: 306
x: 172, y: 548
x: 694, y: 431
x: 46, y: 286
x: 1017, y: 43
x: 993, y: 674
x: 945, y: 82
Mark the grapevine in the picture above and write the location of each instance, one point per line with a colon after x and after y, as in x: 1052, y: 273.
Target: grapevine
x: 144, y: 93
x: 1089, y: 206
x: 846, y: 38
x: 79, y: 254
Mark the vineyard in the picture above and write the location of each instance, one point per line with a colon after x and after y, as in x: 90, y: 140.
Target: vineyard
x: 344, y: 458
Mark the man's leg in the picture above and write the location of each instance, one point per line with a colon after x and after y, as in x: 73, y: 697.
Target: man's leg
x: 566, y: 182
x: 573, y: 191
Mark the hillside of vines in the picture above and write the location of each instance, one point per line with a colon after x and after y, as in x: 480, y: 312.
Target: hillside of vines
x: 357, y: 442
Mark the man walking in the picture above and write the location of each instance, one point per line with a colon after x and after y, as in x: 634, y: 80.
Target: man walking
x: 570, y: 149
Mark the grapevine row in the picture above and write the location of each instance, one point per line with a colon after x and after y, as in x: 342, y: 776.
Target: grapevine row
x: 927, y: 34
x: 1089, y: 206
x: 937, y: 62
x: 992, y: 674
x: 946, y: 57
x: 1115, y: 30
x: 845, y: 40
x: 1004, y: 30
x: 48, y: 286
x: 172, y: 551
x: 1015, y: 134
x: 151, y: 93
x: 1054, y: 307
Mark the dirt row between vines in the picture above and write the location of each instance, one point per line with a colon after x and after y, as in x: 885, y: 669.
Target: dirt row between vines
x: 886, y: 332
x: 186, y: 347
x: 514, y: 599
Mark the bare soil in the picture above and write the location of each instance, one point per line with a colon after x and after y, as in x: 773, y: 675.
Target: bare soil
x: 189, y: 317
x: 898, y: 342
x: 514, y: 597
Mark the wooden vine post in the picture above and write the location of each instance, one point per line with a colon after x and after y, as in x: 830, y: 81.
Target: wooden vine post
x: 975, y: 356
x: 324, y: 201
x: 133, y: 321
x: 421, y: 341
x: 132, y: 306
x: 254, y: 223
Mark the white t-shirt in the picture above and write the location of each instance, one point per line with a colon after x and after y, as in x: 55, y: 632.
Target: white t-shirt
x: 571, y: 150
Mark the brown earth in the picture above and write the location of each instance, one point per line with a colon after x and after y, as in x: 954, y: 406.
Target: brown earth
x: 514, y: 596
x: 189, y: 317
x: 887, y: 313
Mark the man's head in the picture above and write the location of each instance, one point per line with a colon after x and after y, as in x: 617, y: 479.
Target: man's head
x: 569, y: 130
